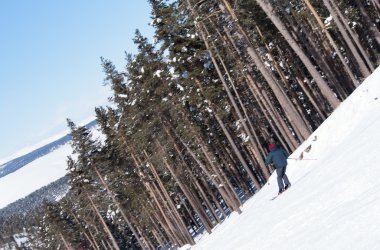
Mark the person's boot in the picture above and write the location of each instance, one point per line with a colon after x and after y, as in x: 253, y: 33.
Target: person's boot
x: 287, y: 186
x: 280, y: 191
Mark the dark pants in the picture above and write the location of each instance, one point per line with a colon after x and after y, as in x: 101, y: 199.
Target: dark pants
x: 281, y: 177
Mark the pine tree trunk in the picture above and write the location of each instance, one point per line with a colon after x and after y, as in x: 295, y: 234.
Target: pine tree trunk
x: 179, y: 226
x: 281, y: 96
x: 233, y: 174
x: 164, y: 221
x: 368, y: 22
x: 186, y: 237
x: 280, y: 72
x: 67, y: 244
x: 105, y: 227
x: 147, y: 243
x: 311, y: 98
x: 201, y: 165
x: 237, y: 152
x: 230, y: 195
x: 118, y: 206
x: 229, y: 161
x: 93, y: 244
x: 105, y: 245
x: 265, y: 105
x: 190, y: 214
x: 354, y: 37
x: 193, y: 201
x: 200, y: 189
x: 109, y: 245
x: 205, y: 170
x: 361, y: 64
x: 214, y: 199
x: 232, y: 143
x: 207, y: 201
x: 237, y: 110
x: 376, y: 5
x: 159, y: 234
x: 274, y: 115
x: 168, y: 219
x: 94, y: 240
x: 316, y: 47
x: 171, y: 226
x: 279, y: 93
x: 170, y: 203
x: 269, y: 11
x: 332, y: 42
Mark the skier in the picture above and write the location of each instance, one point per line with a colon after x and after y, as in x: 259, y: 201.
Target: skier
x: 278, y: 156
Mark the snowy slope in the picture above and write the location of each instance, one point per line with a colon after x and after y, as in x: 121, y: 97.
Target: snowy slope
x: 334, y: 201
x: 19, y: 162
x: 36, y: 169
x: 34, y: 175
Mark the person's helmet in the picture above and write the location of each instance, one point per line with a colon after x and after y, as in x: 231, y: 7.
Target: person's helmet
x: 272, y: 146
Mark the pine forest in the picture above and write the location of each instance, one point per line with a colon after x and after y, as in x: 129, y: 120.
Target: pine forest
x: 192, y: 113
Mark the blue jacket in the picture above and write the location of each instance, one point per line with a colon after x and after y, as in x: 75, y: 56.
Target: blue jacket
x: 278, y: 157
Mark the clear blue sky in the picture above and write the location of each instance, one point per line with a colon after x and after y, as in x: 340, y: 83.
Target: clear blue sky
x: 50, y: 62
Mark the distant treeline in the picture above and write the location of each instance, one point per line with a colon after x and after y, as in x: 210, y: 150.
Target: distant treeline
x: 14, y: 215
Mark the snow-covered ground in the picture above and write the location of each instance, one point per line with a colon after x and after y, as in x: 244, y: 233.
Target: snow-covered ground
x: 38, y: 173
x: 34, y: 175
x: 44, y: 142
x: 334, y: 201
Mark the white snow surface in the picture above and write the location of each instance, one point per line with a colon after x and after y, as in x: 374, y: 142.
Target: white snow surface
x: 334, y: 201
x: 37, y: 174
x: 33, y: 176
x: 35, y: 146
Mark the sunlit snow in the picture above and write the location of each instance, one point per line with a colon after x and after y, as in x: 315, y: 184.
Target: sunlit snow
x: 38, y: 173
x: 334, y: 201
x: 34, y: 175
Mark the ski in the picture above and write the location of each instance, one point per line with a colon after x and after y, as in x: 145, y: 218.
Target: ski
x: 273, y: 198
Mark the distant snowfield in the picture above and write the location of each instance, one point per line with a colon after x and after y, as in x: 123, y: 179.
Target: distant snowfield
x: 42, y: 143
x: 33, y: 176
x: 38, y: 173
x: 31, y: 148
x: 334, y: 201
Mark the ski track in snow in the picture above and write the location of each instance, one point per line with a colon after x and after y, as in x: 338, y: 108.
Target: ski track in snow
x: 334, y: 201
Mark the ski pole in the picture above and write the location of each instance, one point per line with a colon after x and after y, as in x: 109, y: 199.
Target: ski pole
x: 311, y: 159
